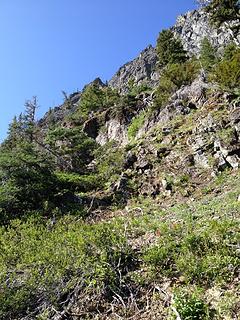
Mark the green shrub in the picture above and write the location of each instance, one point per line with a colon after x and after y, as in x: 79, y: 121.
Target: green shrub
x: 79, y: 183
x: 39, y: 263
x: 172, y: 78
x: 190, y: 305
x: 136, y: 124
x: 227, y: 73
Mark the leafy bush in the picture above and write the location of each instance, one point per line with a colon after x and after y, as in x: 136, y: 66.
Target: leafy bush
x: 200, y: 258
x: 190, y: 306
x: 41, y: 263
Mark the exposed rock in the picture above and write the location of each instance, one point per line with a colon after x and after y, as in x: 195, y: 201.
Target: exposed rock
x: 114, y: 129
x: 141, y: 70
x: 234, y: 161
x: 194, y: 94
x: 193, y: 26
x: 91, y: 127
x: 129, y: 160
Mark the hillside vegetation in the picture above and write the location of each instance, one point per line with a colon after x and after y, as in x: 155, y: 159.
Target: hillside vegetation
x: 124, y: 203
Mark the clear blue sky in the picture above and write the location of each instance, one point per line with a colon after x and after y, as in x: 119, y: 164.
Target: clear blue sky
x: 47, y: 46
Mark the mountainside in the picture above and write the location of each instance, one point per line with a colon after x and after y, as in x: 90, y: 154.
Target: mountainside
x: 124, y: 202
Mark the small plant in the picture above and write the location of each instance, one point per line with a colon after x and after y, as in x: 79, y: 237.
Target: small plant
x: 190, y: 305
x: 136, y: 124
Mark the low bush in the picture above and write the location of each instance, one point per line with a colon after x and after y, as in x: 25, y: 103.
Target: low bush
x: 227, y: 72
x: 172, y: 78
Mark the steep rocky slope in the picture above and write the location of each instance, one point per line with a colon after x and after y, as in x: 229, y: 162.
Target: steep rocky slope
x: 155, y: 232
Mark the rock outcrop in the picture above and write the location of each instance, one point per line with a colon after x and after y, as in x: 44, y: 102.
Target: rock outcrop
x: 141, y: 70
x: 193, y: 26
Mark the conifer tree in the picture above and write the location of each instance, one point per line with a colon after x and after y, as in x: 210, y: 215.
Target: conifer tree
x: 223, y: 10
x: 169, y: 49
x: 27, y: 176
x: 207, y: 55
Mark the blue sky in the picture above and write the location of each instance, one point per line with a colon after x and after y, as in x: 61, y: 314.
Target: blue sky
x: 47, y: 46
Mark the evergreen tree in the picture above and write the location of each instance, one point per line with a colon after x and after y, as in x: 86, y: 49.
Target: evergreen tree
x: 207, y: 55
x: 27, y: 178
x: 230, y: 50
x: 29, y: 117
x: 227, y: 73
x: 169, y: 49
x: 223, y: 11
x: 73, y: 148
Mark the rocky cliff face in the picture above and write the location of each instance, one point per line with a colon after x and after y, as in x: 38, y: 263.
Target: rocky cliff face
x: 142, y: 70
x: 194, y: 26
x: 191, y: 27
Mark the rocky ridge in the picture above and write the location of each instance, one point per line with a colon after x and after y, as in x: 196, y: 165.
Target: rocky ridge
x: 191, y: 28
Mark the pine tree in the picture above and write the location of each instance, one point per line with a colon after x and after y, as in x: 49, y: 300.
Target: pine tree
x: 207, y: 55
x: 27, y: 177
x: 29, y: 118
x: 223, y: 10
x: 169, y: 49
x: 227, y: 73
x: 230, y: 51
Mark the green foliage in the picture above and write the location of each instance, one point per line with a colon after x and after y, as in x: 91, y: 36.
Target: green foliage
x: 78, y: 183
x: 230, y: 50
x: 72, y: 147
x: 109, y: 160
x: 95, y: 98
x: 192, y: 245
x: 190, y: 305
x: 227, y: 72
x: 134, y: 90
x: 169, y: 49
x: 223, y: 10
x: 41, y: 262
x: 207, y: 54
x: 26, y: 172
x: 172, y: 78
x: 136, y: 124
